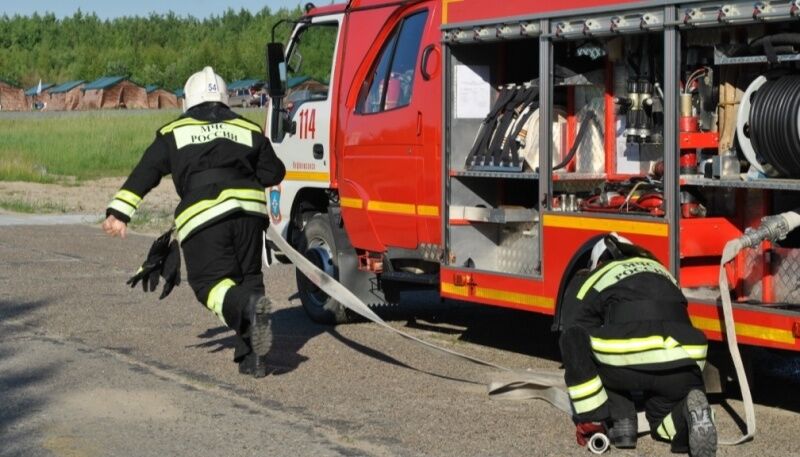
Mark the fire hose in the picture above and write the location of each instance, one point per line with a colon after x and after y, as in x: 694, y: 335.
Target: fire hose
x: 773, y: 228
x: 548, y: 385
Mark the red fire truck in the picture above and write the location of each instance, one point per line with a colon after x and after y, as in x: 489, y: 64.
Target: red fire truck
x: 482, y: 147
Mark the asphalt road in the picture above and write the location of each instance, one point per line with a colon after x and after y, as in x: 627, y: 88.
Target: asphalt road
x: 89, y: 367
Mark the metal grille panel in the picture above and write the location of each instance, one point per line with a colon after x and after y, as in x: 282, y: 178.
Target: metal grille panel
x: 591, y: 153
x: 518, y: 252
x: 786, y: 275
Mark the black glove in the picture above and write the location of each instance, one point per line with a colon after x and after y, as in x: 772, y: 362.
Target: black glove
x: 151, y: 268
x: 171, y: 271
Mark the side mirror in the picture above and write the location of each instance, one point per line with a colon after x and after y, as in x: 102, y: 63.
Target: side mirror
x: 276, y: 70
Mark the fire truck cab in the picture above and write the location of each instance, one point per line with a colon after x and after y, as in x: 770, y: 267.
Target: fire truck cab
x: 481, y: 148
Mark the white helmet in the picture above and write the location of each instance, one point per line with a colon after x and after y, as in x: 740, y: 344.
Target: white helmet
x: 600, y: 248
x: 204, y: 86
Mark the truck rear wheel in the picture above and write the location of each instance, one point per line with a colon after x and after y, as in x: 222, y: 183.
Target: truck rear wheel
x: 317, y: 244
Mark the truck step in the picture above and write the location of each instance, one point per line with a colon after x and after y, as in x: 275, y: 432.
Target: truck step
x: 401, y: 276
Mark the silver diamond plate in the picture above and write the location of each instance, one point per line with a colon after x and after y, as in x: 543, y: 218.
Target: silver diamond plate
x: 432, y: 252
x: 785, y: 275
x: 591, y: 153
x: 518, y: 253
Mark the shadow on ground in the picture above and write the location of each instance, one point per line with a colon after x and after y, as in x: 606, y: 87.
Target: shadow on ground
x: 291, y: 330
x: 18, y: 377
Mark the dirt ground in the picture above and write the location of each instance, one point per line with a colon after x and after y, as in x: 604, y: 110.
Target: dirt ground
x: 91, y: 197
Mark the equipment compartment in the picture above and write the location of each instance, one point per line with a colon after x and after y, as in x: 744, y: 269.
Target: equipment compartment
x: 492, y: 204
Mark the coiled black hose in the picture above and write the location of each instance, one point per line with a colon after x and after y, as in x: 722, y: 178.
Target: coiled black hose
x: 582, y: 132
x: 774, y: 129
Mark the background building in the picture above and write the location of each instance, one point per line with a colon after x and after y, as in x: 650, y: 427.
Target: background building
x: 65, y: 97
x: 112, y: 92
x: 32, y: 98
x: 12, y: 98
x: 158, y: 98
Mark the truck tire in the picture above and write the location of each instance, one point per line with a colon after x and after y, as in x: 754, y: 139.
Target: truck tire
x: 317, y: 244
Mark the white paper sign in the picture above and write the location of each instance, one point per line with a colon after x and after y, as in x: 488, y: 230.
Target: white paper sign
x: 473, y: 91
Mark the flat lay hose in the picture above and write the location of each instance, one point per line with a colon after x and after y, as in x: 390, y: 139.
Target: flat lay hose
x: 548, y: 385
x: 773, y: 228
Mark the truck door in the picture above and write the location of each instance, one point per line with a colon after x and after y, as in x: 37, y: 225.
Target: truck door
x: 305, y: 148
x: 382, y: 157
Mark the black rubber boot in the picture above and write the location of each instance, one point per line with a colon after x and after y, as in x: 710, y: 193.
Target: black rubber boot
x: 702, y: 431
x: 258, y: 313
x: 623, y: 433
x: 253, y: 365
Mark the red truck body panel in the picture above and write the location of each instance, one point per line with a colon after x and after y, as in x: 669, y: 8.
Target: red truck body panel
x: 387, y: 168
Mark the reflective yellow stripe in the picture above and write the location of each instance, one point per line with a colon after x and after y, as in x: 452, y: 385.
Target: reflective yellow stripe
x: 585, y: 389
x: 667, y: 428
x: 535, y: 301
x: 696, y: 351
x: 617, y: 271
x: 426, y: 210
x: 318, y: 176
x: 747, y: 330
x: 591, y: 280
x: 244, y: 124
x: 202, y: 205
x: 452, y: 289
x: 632, y: 344
x: 606, y: 225
x: 217, y: 296
x: 180, y: 123
x: 630, y: 267
x: 219, y: 210
x: 654, y: 356
x: 591, y: 403
x: 201, y: 134
x: 348, y: 202
x: 390, y: 207
x: 123, y: 207
x: 649, y: 343
x: 128, y: 197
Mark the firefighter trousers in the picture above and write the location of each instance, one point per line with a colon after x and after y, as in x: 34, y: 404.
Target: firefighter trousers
x: 223, y: 266
x: 602, y: 392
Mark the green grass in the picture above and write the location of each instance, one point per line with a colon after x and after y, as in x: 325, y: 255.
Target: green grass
x: 31, y: 207
x: 58, y: 147
x: 145, y: 219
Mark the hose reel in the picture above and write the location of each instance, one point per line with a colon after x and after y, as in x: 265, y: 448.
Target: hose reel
x: 768, y: 125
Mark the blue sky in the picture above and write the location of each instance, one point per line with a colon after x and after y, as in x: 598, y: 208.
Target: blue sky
x: 110, y: 9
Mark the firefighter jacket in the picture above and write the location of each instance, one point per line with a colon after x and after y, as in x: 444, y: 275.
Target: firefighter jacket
x: 636, y: 316
x: 220, y: 164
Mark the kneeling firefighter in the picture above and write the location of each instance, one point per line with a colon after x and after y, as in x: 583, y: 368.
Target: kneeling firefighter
x: 221, y: 164
x: 627, y: 337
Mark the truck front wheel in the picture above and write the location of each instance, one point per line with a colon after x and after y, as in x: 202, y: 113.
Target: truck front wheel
x: 317, y: 244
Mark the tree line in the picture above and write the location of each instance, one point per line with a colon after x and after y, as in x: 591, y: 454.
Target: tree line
x: 162, y: 49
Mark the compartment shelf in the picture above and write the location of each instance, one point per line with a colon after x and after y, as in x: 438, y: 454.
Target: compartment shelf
x: 579, y: 177
x: 459, y: 213
x: 773, y: 184
x: 494, y: 174
x: 721, y: 59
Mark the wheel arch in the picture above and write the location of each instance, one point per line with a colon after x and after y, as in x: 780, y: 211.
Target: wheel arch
x: 578, y: 261
x: 308, y: 200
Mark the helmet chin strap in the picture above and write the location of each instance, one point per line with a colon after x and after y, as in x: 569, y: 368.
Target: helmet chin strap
x: 613, y: 249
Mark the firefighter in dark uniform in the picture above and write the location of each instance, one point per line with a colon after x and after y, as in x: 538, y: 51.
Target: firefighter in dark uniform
x: 627, y: 336
x: 221, y: 164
